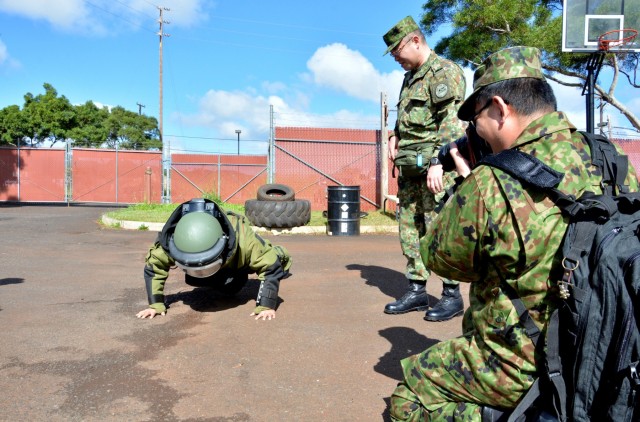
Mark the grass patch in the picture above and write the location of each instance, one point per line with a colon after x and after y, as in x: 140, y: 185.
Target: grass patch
x: 159, y: 213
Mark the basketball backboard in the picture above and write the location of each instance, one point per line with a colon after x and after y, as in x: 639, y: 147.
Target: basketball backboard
x: 584, y: 21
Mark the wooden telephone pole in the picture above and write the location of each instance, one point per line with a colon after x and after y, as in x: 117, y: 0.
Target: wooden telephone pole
x: 166, y: 146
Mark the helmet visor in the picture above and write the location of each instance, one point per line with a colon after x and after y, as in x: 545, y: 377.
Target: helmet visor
x: 203, y: 271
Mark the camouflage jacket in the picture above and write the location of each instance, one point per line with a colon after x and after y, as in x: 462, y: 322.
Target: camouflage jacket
x: 248, y: 251
x: 493, y: 224
x: 428, y: 104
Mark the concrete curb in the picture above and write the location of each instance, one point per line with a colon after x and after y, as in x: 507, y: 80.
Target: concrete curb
x: 156, y: 227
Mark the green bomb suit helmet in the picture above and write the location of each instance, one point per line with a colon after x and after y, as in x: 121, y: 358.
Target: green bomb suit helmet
x: 197, y: 244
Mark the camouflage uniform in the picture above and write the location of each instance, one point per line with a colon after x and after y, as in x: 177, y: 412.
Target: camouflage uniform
x: 248, y: 253
x: 494, y: 224
x: 429, y: 100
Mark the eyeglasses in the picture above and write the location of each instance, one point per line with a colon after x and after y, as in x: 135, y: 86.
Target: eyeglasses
x: 475, y: 116
x: 396, y: 52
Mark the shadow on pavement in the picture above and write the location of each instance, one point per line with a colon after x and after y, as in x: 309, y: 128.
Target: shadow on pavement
x: 405, y: 342
x: 203, y: 299
x: 7, y: 281
x: 390, y: 282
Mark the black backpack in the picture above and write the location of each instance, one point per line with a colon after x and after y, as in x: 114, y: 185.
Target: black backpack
x: 592, y: 370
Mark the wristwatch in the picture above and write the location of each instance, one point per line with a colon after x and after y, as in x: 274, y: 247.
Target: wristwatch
x: 434, y: 161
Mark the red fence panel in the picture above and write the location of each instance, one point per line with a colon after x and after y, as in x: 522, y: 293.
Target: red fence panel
x: 9, y: 189
x: 32, y: 175
x: 116, y: 176
x: 233, y: 178
x: 310, y: 159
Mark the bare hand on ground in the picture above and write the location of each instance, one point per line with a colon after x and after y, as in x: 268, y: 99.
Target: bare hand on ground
x: 265, y: 315
x: 148, y: 313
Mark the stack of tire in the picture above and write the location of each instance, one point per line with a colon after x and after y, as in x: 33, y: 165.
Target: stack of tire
x: 277, y: 207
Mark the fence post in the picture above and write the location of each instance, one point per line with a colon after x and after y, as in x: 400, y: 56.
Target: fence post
x: 117, y: 171
x: 68, y: 171
x: 18, y: 169
x: 271, y: 151
x: 384, y: 148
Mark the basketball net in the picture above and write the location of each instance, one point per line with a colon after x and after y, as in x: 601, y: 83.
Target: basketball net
x: 617, y: 41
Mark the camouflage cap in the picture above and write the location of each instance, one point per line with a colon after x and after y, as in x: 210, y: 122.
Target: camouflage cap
x: 509, y: 63
x: 393, y: 37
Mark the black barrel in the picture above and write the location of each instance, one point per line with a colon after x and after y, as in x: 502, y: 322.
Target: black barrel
x: 343, y: 215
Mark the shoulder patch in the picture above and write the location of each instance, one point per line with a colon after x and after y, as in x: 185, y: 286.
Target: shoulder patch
x: 441, y: 90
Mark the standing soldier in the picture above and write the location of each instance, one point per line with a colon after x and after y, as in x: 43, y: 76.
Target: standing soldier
x: 431, y: 93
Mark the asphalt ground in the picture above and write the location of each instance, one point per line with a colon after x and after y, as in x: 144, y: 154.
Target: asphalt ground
x: 73, y: 350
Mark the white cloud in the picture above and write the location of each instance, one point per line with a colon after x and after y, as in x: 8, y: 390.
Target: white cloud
x: 4, y: 54
x: 226, y: 111
x: 337, y: 67
x: 66, y: 14
x: 102, y: 16
x: 185, y: 13
x: 222, y: 112
x: 5, y: 58
x: 273, y: 87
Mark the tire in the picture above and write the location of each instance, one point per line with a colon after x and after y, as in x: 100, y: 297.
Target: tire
x: 278, y: 214
x: 275, y: 192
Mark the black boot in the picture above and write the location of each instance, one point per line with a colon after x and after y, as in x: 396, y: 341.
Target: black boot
x: 448, y: 306
x: 415, y: 299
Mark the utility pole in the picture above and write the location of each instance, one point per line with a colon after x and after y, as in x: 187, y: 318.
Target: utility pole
x: 238, y: 132
x: 166, y: 147
x: 140, y: 108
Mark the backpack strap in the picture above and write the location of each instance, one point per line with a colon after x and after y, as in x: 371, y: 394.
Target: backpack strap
x: 534, y: 173
x: 525, y: 403
x: 554, y: 367
x: 525, y: 168
x: 614, y: 166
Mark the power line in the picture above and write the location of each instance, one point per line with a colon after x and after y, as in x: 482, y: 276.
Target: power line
x: 136, y: 10
x: 306, y: 28
x: 120, y: 17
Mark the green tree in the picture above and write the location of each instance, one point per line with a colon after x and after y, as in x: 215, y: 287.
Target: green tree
x: 480, y: 27
x: 90, y: 126
x: 49, y: 116
x: 130, y: 130
x: 13, y: 126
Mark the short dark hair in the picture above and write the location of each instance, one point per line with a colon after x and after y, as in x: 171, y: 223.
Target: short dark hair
x: 526, y: 95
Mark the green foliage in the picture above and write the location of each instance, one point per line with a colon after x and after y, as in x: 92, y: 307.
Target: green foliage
x: 481, y: 27
x: 13, y: 125
x: 90, y: 130
x: 50, y: 117
x: 131, y: 130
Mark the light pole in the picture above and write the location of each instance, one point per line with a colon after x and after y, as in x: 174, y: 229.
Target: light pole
x: 238, y: 131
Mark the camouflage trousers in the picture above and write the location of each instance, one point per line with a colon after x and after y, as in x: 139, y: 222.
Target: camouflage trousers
x: 417, y: 205
x: 451, y: 380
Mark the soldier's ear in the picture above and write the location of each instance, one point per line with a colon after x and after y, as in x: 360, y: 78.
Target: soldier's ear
x: 503, y: 107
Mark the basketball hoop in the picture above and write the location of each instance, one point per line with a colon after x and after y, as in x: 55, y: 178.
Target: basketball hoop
x: 617, y: 39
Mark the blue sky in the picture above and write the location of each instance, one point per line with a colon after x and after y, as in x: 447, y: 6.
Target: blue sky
x: 224, y: 63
